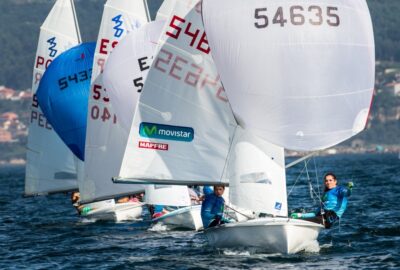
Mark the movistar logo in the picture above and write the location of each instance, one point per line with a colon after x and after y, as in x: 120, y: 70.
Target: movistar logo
x: 53, y: 44
x: 118, y: 22
x: 165, y: 132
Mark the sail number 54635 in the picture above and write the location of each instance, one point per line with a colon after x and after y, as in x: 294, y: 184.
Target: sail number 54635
x: 298, y: 15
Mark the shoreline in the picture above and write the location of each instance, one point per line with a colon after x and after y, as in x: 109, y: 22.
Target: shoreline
x: 374, y: 150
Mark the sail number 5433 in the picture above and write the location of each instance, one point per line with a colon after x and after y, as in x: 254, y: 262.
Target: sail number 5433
x: 297, y: 15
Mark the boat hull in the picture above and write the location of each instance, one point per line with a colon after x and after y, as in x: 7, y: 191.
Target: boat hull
x: 273, y: 235
x: 183, y: 218
x: 116, y: 211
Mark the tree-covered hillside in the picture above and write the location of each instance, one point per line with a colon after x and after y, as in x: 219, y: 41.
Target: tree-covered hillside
x: 20, y: 21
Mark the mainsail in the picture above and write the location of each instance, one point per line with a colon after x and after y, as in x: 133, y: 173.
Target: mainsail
x: 50, y: 164
x: 126, y: 70
x: 184, y: 125
x: 300, y: 74
x: 119, y: 18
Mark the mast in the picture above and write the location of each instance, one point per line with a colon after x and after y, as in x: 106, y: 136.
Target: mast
x: 146, y: 5
x: 76, y: 22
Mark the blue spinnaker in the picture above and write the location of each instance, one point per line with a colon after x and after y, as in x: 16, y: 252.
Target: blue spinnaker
x: 63, y: 95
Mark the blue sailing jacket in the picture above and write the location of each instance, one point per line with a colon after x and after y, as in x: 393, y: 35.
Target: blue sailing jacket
x: 212, y: 207
x: 335, y: 200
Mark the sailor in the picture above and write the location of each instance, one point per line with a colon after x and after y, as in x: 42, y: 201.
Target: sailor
x: 158, y: 211
x: 212, y: 208
x: 334, y: 203
x: 82, y: 209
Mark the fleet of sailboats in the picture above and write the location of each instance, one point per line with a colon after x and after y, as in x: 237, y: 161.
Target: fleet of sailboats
x: 170, y: 106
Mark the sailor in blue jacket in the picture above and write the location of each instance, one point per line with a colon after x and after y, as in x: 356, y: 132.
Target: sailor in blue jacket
x: 334, y: 202
x: 212, y: 208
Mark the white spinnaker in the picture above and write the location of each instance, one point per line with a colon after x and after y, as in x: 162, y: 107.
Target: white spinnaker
x: 256, y: 174
x: 126, y: 70
x: 303, y: 81
x: 167, y: 195
x: 50, y: 164
x: 182, y: 95
x: 102, y: 162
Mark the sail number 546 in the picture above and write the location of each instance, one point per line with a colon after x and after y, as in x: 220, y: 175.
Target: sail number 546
x: 298, y: 15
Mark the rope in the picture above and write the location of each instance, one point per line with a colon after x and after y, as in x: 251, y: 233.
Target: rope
x: 248, y: 217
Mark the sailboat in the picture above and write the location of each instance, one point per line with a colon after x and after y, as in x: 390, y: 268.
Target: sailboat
x: 51, y: 167
x: 294, y: 73
x: 129, y: 63
x: 281, y: 77
x: 119, y: 18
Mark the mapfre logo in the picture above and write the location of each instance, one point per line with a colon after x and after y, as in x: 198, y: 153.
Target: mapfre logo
x: 153, y: 146
x: 166, y: 132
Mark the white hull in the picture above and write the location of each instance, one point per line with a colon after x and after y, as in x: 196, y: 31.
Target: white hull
x: 273, y: 235
x: 185, y: 218
x: 117, y: 212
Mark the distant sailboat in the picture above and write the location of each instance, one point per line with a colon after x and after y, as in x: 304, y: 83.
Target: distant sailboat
x: 50, y: 167
x: 119, y: 18
x: 129, y: 63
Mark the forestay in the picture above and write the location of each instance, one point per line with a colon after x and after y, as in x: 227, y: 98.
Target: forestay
x: 256, y: 174
x: 50, y: 164
x: 300, y: 74
x: 183, y: 126
x: 102, y: 162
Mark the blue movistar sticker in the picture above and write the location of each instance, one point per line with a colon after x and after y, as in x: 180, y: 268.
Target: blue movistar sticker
x: 165, y: 132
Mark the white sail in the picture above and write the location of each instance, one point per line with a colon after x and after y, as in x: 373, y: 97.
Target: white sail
x: 300, y: 74
x: 167, y: 195
x: 183, y: 126
x: 102, y: 162
x: 257, y: 175
x: 50, y: 164
x: 165, y: 10
x: 126, y: 70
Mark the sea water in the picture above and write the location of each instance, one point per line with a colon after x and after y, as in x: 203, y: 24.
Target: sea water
x: 45, y: 232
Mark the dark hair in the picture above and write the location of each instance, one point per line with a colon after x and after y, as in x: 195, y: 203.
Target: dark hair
x: 219, y: 186
x: 330, y: 174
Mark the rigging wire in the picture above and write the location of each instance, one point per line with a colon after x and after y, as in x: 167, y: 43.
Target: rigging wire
x: 316, y: 177
x: 310, y: 187
x: 246, y: 216
x: 298, y: 177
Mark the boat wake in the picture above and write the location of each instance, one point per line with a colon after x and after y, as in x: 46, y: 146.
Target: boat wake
x: 158, y: 227
x: 312, y: 247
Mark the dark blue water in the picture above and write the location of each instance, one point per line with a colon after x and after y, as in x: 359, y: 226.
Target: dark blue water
x: 45, y: 233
